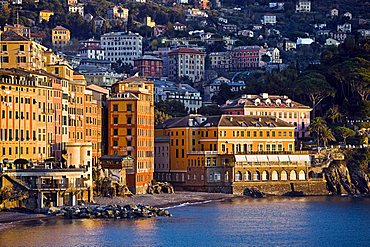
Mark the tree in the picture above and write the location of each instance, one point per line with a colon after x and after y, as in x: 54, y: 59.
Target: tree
x: 315, y: 86
x: 209, y: 110
x: 327, y: 135
x: 317, y: 126
x: 172, y: 107
x: 160, y: 117
x: 333, y: 114
x: 344, y: 132
x: 223, y: 95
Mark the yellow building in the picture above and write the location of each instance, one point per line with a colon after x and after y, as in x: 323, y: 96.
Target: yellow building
x: 193, y: 136
x: 131, y: 128
x: 60, y: 37
x: 149, y: 22
x: 17, y: 51
x: 45, y: 15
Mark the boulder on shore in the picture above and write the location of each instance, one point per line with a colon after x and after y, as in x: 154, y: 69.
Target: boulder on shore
x: 108, y: 212
x: 253, y: 192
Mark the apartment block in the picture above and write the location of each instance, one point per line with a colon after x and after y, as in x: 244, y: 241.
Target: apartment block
x: 131, y: 129
x: 122, y: 46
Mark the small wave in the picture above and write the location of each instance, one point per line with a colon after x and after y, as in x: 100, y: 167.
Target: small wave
x: 192, y: 203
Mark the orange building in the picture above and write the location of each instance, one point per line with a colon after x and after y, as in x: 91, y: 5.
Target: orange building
x: 214, y: 152
x: 131, y: 129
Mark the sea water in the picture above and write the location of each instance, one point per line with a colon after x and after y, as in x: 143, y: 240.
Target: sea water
x: 277, y: 221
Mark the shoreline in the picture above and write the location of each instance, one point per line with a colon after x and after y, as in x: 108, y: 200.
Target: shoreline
x: 165, y: 201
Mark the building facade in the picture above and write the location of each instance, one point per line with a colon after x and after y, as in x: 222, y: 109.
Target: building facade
x: 272, y: 105
x: 228, y: 153
x: 303, y: 6
x: 122, y: 46
x: 245, y: 58
x: 131, y: 129
x: 186, y: 63
x: 149, y: 66
x: 60, y: 37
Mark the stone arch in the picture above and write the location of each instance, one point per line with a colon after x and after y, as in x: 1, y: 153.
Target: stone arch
x: 274, y: 176
x: 238, y: 176
x: 284, y: 175
x: 265, y: 176
x: 301, y: 175
x: 248, y: 176
x: 293, y: 175
x: 256, y: 176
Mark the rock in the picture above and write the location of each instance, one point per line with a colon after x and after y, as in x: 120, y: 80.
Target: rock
x: 253, y: 192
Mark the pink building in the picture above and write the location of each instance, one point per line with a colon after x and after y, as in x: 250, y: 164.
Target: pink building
x: 247, y: 58
x: 272, y: 105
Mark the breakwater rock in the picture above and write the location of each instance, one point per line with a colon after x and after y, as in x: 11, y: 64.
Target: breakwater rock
x: 109, y: 212
x: 254, y: 192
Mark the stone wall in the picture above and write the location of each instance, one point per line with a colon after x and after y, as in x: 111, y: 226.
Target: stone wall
x: 282, y: 187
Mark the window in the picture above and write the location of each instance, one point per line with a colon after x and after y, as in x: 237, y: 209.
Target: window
x: 129, y: 120
x: 21, y: 47
x: 115, y: 120
x: 115, y: 107
x: 88, y: 152
x: 5, y: 48
x: 115, y: 143
x: 5, y: 59
x: 129, y: 107
x: 115, y: 132
x: 129, y: 132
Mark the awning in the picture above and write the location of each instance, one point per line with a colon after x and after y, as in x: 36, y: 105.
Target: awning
x: 273, y: 158
x: 306, y: 158
x: 294, y: 158
x: 262, y: 158
x: 251, y: 158
x: 284, y: 158
x: 240, y: 158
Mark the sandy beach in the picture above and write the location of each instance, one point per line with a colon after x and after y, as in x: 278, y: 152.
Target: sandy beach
x: 164, y: 200
x: 157, y: 200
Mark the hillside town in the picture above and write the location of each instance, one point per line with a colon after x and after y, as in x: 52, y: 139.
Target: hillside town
x: 236, y: 97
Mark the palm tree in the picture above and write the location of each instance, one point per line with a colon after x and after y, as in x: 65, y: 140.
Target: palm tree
x: 317, y: 126
x: 334, y: 114
x: 327, y: 135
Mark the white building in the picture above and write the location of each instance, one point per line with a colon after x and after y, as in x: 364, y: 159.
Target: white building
x: 122, y: 46
x: 269, y: 19
x: 345, y: 28
x: 186, y: 62
x: 103, y: 79
x: 77, y: 8
x: 348, y: 15
x: 274, y: 55
x: 330, y: 42
x: 303, y: 6
x: 334, y: 12
x: 304, y: 41
x: 189, y: 96
x: 220, y: 60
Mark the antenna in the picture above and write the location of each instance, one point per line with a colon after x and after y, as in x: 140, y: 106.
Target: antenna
x: 18, y: 4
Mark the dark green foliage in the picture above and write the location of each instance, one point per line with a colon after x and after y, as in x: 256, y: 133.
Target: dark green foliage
x: 172, y: 107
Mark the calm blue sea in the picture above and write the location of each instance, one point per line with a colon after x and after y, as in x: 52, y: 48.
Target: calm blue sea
x: 311, y: 221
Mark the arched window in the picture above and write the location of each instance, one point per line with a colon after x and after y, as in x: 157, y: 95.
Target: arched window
x: 247, y: 176
x: 226, y: 176
x: 256, y: 176
x: 284, y: 175
x: 301, y: 175
x: 265, y: 175
x: 293, y: 175
x: 238, y: 176
x: 211, y: 177
x: 274, y: 176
